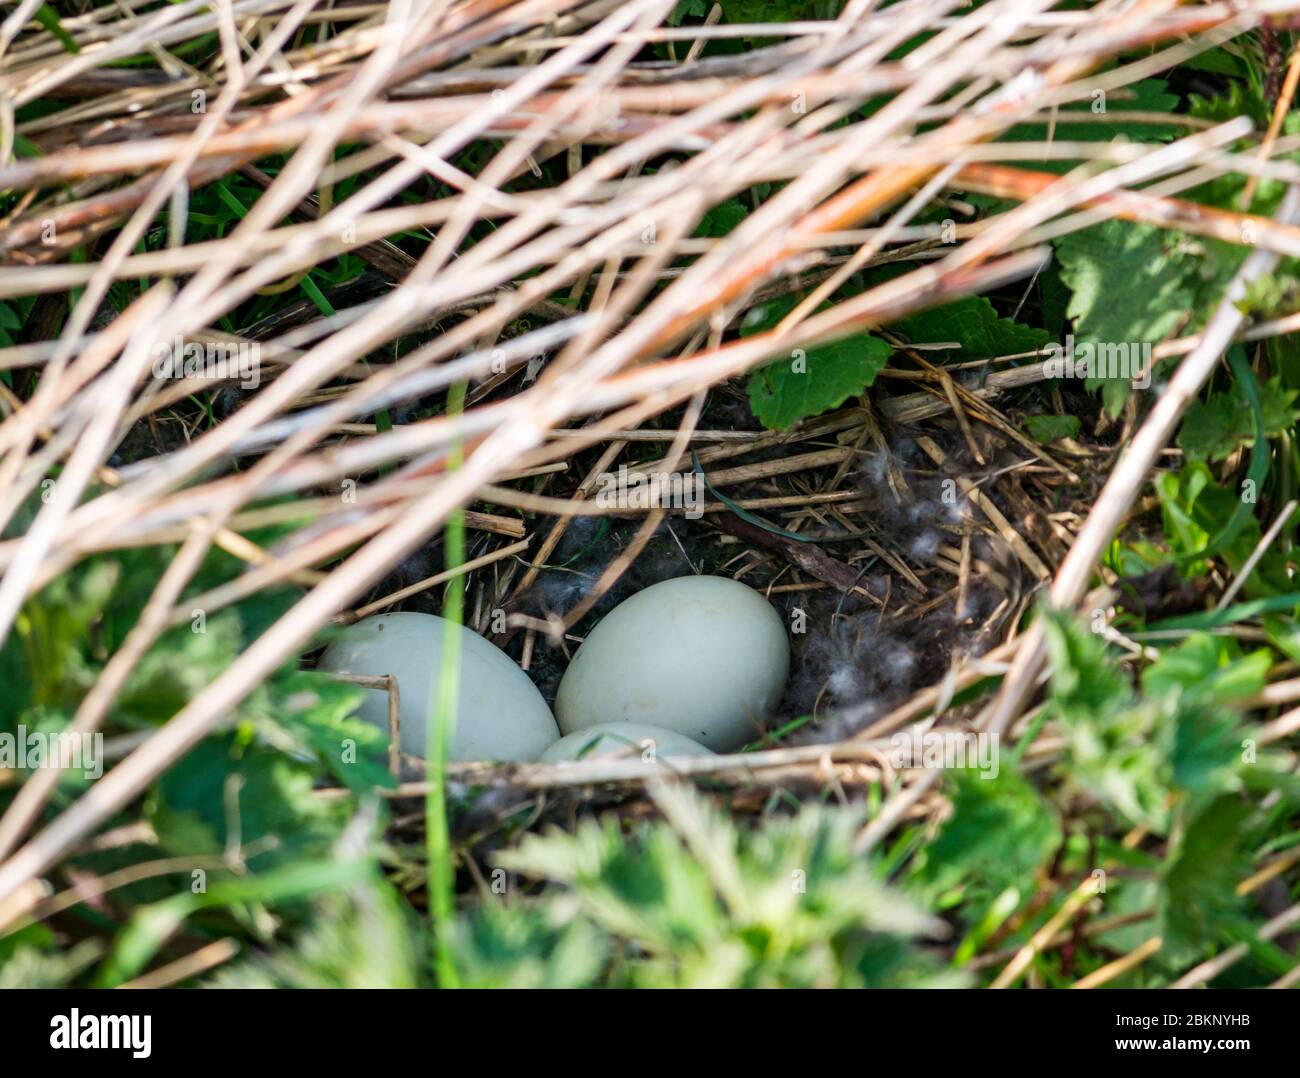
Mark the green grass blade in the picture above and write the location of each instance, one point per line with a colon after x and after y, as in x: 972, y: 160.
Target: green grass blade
x: 442, y: 873
x: 49, y: 18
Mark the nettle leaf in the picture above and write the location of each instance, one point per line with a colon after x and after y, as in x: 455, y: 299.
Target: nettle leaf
x: 358, y: 938
x: 1214, y: 429
x: 742, y: 11
x: 788, y: 390
x: 1192, y: 681
x: 1150, y: 96
x: 1131, y: 284
x: 317, y: 709
x: 701, y: 901
x: 686, y: 9
x: 514, y: 945
x: 1206, y: 757
x: 1000, y: 833
x: 66, y: 632
x: 973, y: 324
x: 1156, y: 759
x: 1270, y: 295
x: 1118, y: 750
x: 223, y: 784
x: 45, y: 662
x: 1198, y: 885
x: 33, y: 967
x: 1048, y: 428
x: 650, y: 890
x: 1211, y: 666
x: 722, y: 218
x: 1129, y: 281
x: 9, y: 321
x: 812, y: 381
x: 1238, y: 99
x: 182, y: 664
x: 1083, y: 679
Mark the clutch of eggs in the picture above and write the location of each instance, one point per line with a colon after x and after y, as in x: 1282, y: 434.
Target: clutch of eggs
x: 691, y: 665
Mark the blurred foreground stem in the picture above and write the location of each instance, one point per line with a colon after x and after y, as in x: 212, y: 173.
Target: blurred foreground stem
x: 442, y: 872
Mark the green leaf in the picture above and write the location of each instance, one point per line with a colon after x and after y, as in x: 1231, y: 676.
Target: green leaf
x: 1117, y: 750
x: 687, y: 9
x: 703, y: 902
x: 1048, y: 428
x: 808, y: 384
x: 361, y: 938
x: 66, y: 632
x: 722, y: 218
x: 514, y: 945
x: 45, y: 662
x: 1195, y: 509
x: 318, y: 710
x: 1083, y: 679
x: 34, y: 967
x: 1214, y: 429
x: 1206, y: 757
x: 1284, y: 635
x: 179, y: 666
x: 769, y: 10
x: 1238, y: 99
x: 151, y: 925
x: 1158, y: 758
x: 751, y: 11
x: 1130, y: 284
x: 1269, y: 295
x: 49, y: 18
x: 225, y: 791
x: 1000, y: 833
x: 1198, y: 885
x: 1211, y: 666
x: 810, y: 381
x: 1129, y: 281
x: 1150, y: 95
x: 973, y: 324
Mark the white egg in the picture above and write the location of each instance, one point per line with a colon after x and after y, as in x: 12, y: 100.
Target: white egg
x: 630, y: 740
x: 704, y: 656
x: 500, y: 713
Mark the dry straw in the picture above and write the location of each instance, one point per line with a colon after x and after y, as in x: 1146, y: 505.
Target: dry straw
x: 390, y: 95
